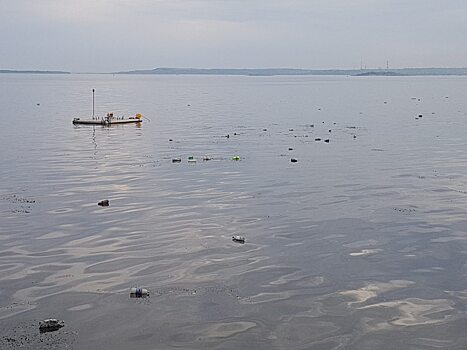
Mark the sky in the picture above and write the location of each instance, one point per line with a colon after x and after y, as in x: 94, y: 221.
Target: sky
x: 118, y: 35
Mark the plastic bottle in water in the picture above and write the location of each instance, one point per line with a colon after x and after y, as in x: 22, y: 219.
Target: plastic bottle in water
x: 139, y: 292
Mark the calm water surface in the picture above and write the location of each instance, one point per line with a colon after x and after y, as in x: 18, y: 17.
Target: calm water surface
x: 361, y: 244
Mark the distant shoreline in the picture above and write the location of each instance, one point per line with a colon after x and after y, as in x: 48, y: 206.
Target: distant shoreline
x: 12, y: 71
x: 301, y: 72
x: 265, y: 72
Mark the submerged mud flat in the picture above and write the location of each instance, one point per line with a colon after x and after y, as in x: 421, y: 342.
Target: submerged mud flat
x: 359, y: 244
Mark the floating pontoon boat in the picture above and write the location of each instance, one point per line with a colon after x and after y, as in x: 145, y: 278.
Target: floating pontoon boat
x: 109, y: 119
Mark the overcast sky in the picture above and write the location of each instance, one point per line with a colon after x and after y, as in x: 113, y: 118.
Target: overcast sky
x: 113, y: 35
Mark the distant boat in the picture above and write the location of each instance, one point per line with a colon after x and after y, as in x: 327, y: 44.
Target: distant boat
x: 109, y: 119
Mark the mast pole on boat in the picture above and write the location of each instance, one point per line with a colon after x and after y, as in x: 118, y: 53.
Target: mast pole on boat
x: 93, y: 103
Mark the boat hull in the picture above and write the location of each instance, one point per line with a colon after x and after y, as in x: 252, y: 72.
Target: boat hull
x: 105, y: 122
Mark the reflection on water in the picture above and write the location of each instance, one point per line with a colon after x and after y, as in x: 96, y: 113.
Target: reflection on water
x: 360, y: 244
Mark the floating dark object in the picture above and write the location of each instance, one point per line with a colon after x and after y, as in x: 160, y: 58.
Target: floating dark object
x: 290, y: 149
x: 238, y: 239
x: 329, y: 130
x: 176, y: 160
x: 265, y: 129
x: 354, y: 136
x: 317, y: 139
x: 38, y: 104
x: 104, y: 203
x: 139, y: 292
x: 170, y: 140
x: 294, y: 160
x: 385, y: 102
x: 206, y: 158
x: 312, y: 125
x: 50, y: 325
x: 327, y: 140
x: 416, y: 118
x: 236, y: 158
x: 420, y: 115
x: 188, y: 105
x: 227, y: 135
x: 290, y: 129
x: 235, y: 134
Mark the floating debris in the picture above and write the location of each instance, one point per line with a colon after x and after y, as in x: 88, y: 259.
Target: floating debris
x: 104, y: 203
x: 238, y: 239
x: 236, y: 158
x: 420, y: 115
x: 50, y: 325
x: 327, y: 140
x: 290, y: 149
x: 170, y: 140
x: 206, y: 158
x: 176, y: 160
x: 139, y: 292
x: 265, y: 129
x: 317, y: 139
x: 294, y: 160
x: 290, y: 129
x: 330, y: 130
x: 354, y: 136
x: 191, y: 159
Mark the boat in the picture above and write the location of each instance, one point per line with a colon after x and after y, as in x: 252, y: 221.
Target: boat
x: 109, y: 119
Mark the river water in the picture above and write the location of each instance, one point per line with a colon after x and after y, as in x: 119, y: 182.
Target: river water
x: 360, y: 244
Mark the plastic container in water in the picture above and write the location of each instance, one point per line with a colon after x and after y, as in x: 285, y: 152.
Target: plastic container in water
x: 136, y: 292
x: 50, y: 325
x: 238, y: 239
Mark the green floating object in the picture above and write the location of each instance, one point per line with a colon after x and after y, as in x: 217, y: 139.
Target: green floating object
x: 236, y: 158
x: 190, y: 158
